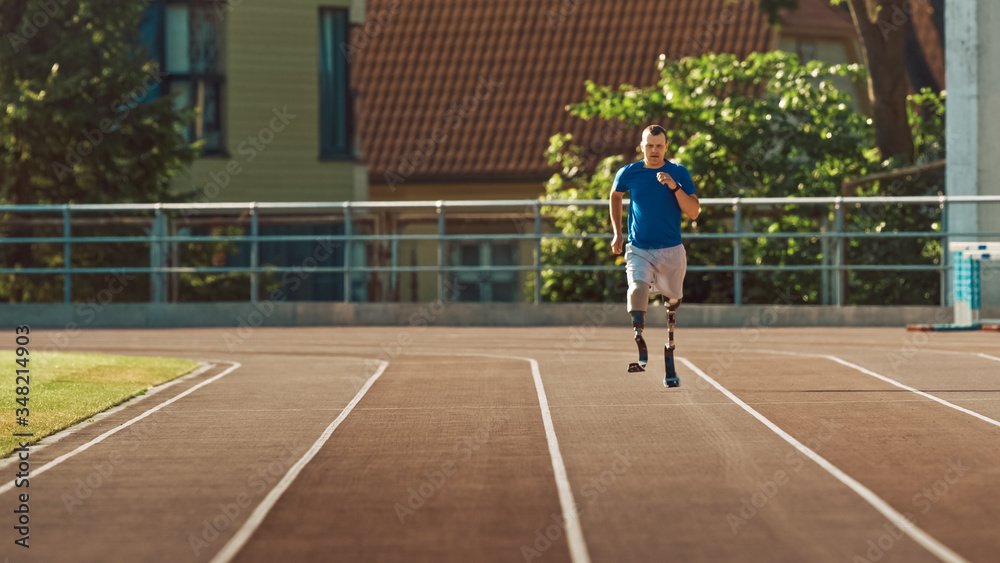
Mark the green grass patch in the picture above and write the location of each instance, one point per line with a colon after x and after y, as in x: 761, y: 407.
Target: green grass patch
x: 68, y: 388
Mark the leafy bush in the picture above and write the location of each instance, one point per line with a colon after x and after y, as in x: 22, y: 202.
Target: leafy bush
x: 766, y: 126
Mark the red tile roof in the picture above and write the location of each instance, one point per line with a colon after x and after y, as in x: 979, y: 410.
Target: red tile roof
x: 429, y: 57
x: 818, y: 18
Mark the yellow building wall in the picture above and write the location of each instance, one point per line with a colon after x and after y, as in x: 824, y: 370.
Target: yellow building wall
x: 272, y: 67
x: 433, y: 192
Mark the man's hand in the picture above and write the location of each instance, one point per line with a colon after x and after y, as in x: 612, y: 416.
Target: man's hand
x: 617, y: 243
x: 666, y: 179
x: 615, y: 208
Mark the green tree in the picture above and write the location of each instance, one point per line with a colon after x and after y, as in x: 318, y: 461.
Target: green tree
x: 576, y: 184
x: 926, y: 118
x: 765, y: 126
x: 880, y: 25
x: 78, y: 122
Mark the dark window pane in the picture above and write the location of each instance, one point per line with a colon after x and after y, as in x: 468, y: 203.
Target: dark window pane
x: 468, y: 255
x: 151, y: 40
x: 503, y: 254
x: 503, y: 291
x: 468, y: 292
x: 210, y: 120
x: 205, y: 39
x: 333, y: 130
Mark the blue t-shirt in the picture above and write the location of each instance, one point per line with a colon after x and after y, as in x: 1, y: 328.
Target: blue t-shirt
x: 654, y: 216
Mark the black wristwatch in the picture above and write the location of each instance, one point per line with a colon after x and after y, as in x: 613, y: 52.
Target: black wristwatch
x: 675, y: 190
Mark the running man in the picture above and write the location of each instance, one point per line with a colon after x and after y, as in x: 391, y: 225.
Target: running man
x: 654, y: 256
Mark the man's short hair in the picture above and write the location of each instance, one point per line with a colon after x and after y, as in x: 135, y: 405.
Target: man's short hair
x: 655, y: 130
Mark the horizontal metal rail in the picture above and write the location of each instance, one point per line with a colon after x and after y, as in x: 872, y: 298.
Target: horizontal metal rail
x: 474, y: 236
x: 834, y: 240
x: 455, y: 204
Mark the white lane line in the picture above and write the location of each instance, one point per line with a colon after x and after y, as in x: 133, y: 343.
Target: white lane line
x: 574, y: 533
x: 923, y: 538
x: 897, y: 384
x: 66, y: 432
x: 988, y: 357
x: 255, y: 519
x: 10, y: 484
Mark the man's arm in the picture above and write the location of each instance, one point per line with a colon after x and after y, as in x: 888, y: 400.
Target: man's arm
x: 689, y: 202
x: 615, y: 209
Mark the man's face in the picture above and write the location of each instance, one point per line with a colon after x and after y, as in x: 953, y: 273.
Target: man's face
x: 653, y: 148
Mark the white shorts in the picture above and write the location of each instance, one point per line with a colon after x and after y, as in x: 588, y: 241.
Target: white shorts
x: 661, y: 268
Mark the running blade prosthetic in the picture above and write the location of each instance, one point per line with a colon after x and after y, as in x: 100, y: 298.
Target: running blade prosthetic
x: 643, y: 355
x: 671, y: 379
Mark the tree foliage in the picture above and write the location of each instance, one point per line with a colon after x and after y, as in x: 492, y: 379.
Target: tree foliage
x: 880, y: 27
x: 765, y: 126
x: 80, y: 122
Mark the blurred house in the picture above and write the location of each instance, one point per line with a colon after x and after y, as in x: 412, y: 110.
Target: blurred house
x: 458, y: 100
x: 436, y: 99
x: 269, y: 82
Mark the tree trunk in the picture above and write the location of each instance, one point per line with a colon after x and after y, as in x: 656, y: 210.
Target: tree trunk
x: 884, y: 37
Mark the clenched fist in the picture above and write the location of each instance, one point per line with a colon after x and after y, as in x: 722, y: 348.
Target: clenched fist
x: 666, y: 179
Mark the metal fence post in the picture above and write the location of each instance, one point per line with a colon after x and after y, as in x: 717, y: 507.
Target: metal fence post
x: 538, y: 252
x: 347, y: 252
x: 946, y: 300
x: 67, y: 257
x: 738, y: 252
x: 254, y: 252
x: 838, y: 255
x: 440, y: 250
x: 393, y: 258
x: 157, y: 257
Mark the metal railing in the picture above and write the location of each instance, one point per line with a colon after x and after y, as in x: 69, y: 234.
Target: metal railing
x: 158, y: 238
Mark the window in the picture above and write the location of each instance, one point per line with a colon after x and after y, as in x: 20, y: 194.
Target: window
x: 497, y: 286
x: 807, y: 52
x: 186, y: 39
x: 334, y: 95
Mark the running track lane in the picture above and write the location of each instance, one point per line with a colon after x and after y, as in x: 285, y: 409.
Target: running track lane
x: 445, y: 459
x: 159, y: 480
x: 897, y: 443
x: 694, y: 458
